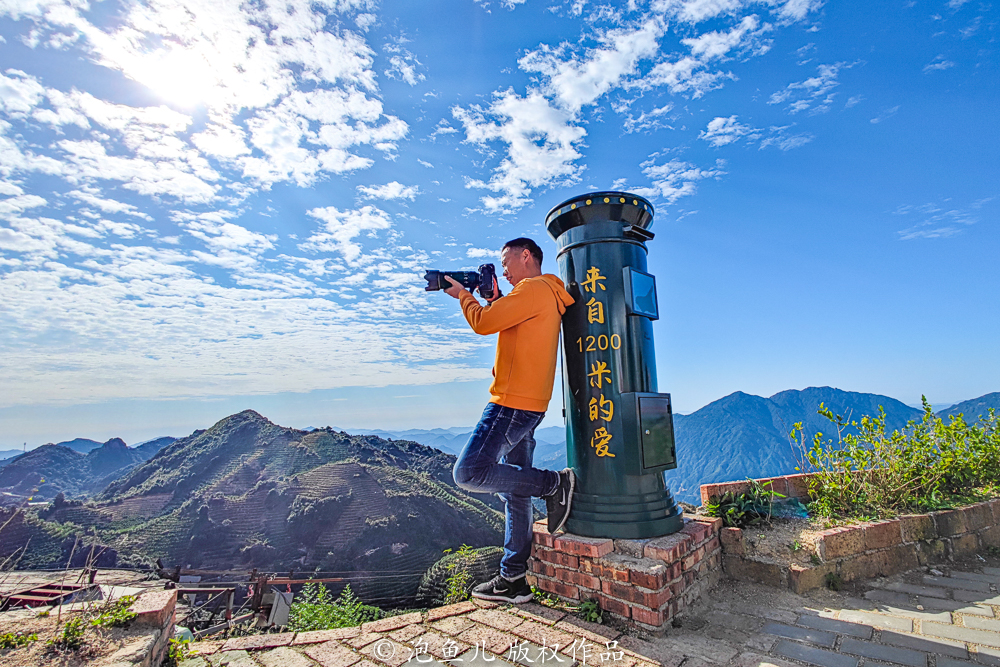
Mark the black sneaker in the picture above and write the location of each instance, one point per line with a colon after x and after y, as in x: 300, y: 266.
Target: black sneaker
x: 499, y: 589
x: 558, y: 502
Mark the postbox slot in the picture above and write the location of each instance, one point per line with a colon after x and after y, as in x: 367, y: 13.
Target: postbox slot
x: 637, y: 233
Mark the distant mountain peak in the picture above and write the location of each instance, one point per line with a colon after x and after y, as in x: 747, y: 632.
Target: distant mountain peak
x: 245, y: 416
x: 114, y: 443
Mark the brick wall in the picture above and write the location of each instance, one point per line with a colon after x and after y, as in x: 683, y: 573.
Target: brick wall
x: 861, y: 550
x: 645, y: 582
x: 155, y: 615
x: 790, y: 486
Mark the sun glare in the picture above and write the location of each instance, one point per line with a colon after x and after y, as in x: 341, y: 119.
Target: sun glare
x: 179, y: 76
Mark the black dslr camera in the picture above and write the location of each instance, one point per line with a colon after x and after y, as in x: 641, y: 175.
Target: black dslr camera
x: 470, y: 280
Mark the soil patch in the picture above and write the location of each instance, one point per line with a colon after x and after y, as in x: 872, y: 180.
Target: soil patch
x: 99, y: 644
x: 784, y: 541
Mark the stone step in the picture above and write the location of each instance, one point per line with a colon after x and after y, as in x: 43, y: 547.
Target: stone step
x: 903, y: 656
x: 818, y: 637
x: 975, y: 576
x: 964, y: 584
x: 913, y: 589
x: 813, y: 655
x: 937, y: 604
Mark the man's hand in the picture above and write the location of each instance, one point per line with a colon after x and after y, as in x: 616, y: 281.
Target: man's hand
x: 455, y: 289
x: 496, y: 291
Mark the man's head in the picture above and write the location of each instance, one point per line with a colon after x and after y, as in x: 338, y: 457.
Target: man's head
x: 520, y: 259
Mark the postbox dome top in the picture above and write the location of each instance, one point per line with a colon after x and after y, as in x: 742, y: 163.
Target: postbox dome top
x: 599, y: 207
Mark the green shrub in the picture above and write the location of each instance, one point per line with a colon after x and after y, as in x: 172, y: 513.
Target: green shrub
x: 927, y: 465
x: 16, y: 639
x: 177, y: 651
x: 71, y: 635
x: 589, y: 610
x: 316, y: 609
x: 739, y: 510
x: 459, y: 581
x: 115, y: 614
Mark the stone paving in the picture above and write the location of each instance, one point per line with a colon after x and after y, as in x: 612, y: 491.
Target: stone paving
x: 919, y: 619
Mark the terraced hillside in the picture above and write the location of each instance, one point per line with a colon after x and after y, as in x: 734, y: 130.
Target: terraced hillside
x: 248, y: 493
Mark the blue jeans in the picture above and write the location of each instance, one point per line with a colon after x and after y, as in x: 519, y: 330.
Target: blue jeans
x: 497, y: 459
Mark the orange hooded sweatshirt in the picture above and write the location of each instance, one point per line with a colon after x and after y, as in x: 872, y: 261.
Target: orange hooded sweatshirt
x: 528, y: 322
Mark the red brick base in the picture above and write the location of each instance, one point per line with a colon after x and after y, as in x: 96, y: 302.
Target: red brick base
x: 645, y: 582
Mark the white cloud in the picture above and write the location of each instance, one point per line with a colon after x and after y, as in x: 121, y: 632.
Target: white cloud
x: 576, y: 82
x: 542, y: 131
x: 226, y: 142
x: 13, y: 159
x: 780, y: 138
x: 654, y: 119
x: 182, y: 179
x: 392, y: 190
x: 256, y: 95
x: 107, y: 205
x: 722, y: 131
x: 221, y: 235
x: 482, y: 253
x: 712, y: 45
x: 443, y: 127
x: 19, y: 203
x: 797, y: 10
x: 682, y: 76
x: 540, y: 141
x: 105, y: 314
x: 340, y: 228
x: 674, y: 179
x: 19, y: 93
x: 238, y: 61
x: 938, y: 220
x: 939, y: 63
x: 885, y: 114
x: 10, y: 189
x: 806, y: 94
x: 696, y: 11
x: 403, y: 66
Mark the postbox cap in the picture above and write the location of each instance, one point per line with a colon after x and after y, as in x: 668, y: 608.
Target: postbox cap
x: 623, y: 207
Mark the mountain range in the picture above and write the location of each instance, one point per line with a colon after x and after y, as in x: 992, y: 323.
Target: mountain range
x: 248, y: 493
x: 85, y: 446
x: 63, y: 468
x: 380, y: 507
x: 735, y: 437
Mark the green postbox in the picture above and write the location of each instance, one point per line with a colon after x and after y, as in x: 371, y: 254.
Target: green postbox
x: 619, y: 430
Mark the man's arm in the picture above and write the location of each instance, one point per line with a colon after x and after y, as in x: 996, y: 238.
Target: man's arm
x: 500, y: 314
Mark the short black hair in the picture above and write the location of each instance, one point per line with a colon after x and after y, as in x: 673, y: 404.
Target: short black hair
x: 525, y: 244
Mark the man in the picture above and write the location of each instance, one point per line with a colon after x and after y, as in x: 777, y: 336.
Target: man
x: 497, y: 459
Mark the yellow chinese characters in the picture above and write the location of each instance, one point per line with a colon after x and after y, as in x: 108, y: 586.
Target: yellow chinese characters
x: 597, y: 372
x: 600, y: 409
x: 592, y: 282
x: 595, y: 311
x: 600, y: 442
x: 603, y: 409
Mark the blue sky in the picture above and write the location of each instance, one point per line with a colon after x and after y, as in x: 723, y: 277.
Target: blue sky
x: 212, y: 206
